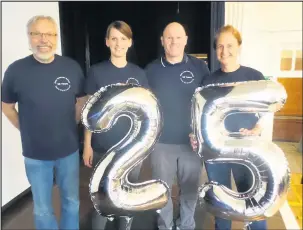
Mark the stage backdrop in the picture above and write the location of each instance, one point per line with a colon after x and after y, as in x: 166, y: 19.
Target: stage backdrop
x: 15, y: 46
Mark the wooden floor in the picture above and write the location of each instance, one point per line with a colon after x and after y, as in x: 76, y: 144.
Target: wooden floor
x: 294, y: 197
x: 20, y: 216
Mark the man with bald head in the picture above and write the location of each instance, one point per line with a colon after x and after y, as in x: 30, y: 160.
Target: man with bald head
x: 173, y: 78
x: 48, y: 90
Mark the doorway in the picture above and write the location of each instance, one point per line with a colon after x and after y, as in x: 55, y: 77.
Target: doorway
x: 83, y: 26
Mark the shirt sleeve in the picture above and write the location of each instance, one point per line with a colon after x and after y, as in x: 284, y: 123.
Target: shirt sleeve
x: 91, y: 85
x: 206, y: 80
x: 9, y: 94
x: 144, y: 82
x: 80, y: 83
x: 147, y: 71
x: 204, y: 72
x: 147, y: 75
x: 258, y: 76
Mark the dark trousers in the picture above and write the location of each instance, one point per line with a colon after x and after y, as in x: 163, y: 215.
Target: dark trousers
x: 168, y: 162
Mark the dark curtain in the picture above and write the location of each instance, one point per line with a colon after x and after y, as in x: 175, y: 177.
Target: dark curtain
x: 72, y: 27
x: 83, y: 27
x: 216, y: 21
x: 194, y: 16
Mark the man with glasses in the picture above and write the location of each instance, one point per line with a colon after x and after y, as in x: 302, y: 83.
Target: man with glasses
x: 48, y: 90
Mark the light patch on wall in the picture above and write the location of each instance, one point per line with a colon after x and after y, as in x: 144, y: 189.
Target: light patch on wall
x: 290, y: 60
x: 286, y: 60
x: 298, y: 61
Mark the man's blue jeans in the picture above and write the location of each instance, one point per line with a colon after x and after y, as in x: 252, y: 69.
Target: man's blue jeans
x: 221, y: 173
x: 41, y: 176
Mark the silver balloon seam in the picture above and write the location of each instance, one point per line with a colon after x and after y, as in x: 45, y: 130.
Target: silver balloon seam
x: 111, y: 192
x: 210, y: 105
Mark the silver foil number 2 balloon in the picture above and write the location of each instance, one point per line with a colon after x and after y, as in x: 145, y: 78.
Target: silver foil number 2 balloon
x: 111, y: 192
x: 265, y: 160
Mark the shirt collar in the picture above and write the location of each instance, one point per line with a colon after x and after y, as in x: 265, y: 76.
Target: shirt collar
x: 165, y: 63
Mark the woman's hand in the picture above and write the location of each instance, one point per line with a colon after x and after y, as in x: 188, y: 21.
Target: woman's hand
x: 193, y: 141
x: 256, y: 131
x: 88, y: 156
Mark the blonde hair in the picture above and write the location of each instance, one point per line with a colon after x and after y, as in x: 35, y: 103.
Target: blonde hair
x: 228, y: 29
x: 37, y: 18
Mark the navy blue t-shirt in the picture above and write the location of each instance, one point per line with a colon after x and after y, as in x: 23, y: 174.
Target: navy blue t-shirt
x: 46, y: 96
x: 236, y: 121
x: 174, y: 86
x: 103, y: 74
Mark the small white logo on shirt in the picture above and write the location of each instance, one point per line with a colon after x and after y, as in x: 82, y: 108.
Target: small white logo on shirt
x: 187, y: 77
x: 62, y: 84
x: 132, y: 80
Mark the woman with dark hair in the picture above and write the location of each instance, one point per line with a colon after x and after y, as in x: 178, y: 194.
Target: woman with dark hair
x: 115, y: 70
x: 227, y: 45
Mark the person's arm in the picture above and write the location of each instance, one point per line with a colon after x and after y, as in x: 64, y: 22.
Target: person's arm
x: 144, y: 81
x: 205, y: 73
x: 10, y: 97
x: 146, y: 73
x: 90, y: 87
x: 9, y: 110
x: 87, y: 148
x: 257, y: 130
x: 80, y: 94
x: 79, y: 106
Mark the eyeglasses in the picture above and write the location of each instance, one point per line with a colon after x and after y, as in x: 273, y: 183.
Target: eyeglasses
x: 39, y: 35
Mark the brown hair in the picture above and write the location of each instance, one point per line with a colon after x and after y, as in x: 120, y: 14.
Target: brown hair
x: 230, y: 29
x: 123, y: 27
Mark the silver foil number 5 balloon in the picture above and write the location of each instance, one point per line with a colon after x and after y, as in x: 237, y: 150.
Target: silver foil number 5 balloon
x: 111, y: 192
x: 265, y: 160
